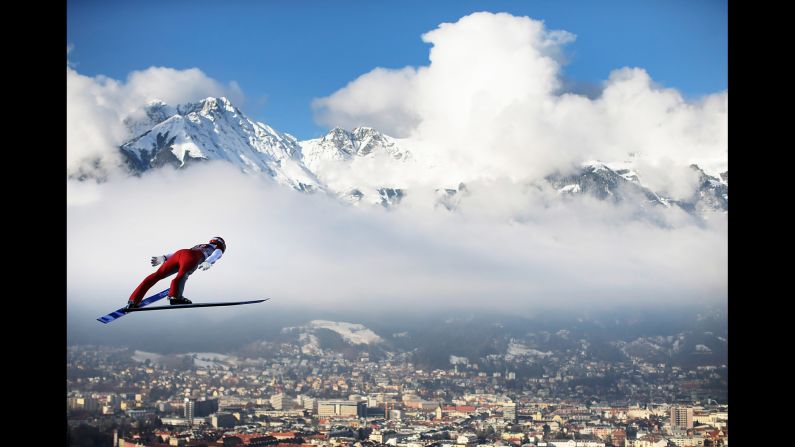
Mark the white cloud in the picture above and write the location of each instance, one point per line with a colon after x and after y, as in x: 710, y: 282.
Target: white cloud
x: 96, y: 107
x: 489, y: 105
x: 378, y: 99
x: 309, y: 250
x: 176, y: 86
x: 669, y: 178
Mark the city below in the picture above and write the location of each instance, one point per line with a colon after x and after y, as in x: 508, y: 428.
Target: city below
x: 123, y: 397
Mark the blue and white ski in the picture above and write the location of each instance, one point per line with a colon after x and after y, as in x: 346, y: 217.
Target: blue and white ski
x: 121, y: 312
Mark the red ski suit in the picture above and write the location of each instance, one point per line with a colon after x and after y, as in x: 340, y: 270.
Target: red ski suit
x: 182, y: 262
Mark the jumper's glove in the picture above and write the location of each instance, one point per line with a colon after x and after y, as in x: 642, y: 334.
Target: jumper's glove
x: 205, y: 265
x: 157, y: 260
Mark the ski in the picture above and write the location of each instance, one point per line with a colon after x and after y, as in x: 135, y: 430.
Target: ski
x: 116, y: 314
x: 185, y: 306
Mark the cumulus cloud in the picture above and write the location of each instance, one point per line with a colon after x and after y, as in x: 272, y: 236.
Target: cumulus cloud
x: 492, y: 103
x: 366, y: 102
x: 96, y: 107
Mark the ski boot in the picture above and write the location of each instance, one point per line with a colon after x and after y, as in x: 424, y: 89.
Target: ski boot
x: 179, y: 300
x: 131, y: 305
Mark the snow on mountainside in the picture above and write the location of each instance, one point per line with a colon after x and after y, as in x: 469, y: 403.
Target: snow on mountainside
x: 358, y: 166
x: 142, y: 356
x: 213, y: 129
x: 352, y: 333
x: 598, y: 180
x: 199, y: 359
x: 619, y: 181
x: 712, y: 193
x: 516, y: 349
x: 341, y: 145
x: 360, y: 153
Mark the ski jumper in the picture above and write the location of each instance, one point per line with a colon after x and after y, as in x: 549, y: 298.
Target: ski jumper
x: 183, y: 263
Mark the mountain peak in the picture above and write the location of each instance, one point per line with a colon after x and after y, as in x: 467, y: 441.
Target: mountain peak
x: 208, y: 106
x: 158, y: 107
x: 222, y: 100
x: 364, y: 130
x: 595, y: 165
x: 220, y: 103
x: 358, y: 133
x: 156, y: 102
x: 337, y: 131
x: 339, y: 137
x: 213, y: 129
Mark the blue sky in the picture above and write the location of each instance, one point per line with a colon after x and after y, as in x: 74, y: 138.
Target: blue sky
x: 285, y: 53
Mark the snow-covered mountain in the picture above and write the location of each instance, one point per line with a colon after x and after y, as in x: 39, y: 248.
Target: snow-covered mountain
x: 603, y: 182
x: 353, y: 333
x: 358, y: 153
x: 213, y: 129
x: 619, y: 182
x: 712, y: 193
x: 319, y: 336
x: 341, y: 145
x: 356, y: 166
